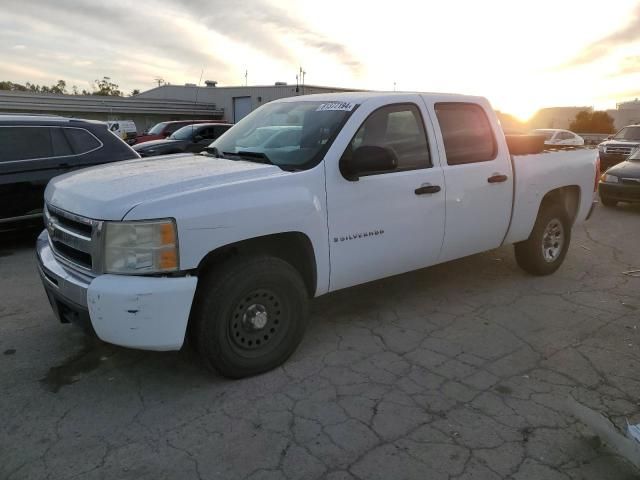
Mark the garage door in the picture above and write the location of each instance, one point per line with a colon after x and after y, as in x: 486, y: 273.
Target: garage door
x: 241, y: 108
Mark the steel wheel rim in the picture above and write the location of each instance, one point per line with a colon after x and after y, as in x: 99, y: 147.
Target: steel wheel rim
x: 552, y: 240
x: 257, y: 323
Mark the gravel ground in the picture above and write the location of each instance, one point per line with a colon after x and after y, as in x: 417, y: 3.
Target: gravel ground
x: 459, y: 371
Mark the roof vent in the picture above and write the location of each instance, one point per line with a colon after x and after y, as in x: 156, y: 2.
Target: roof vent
x: 210, y: 83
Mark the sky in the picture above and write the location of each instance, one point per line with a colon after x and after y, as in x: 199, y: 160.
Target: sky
x: 521, y: 54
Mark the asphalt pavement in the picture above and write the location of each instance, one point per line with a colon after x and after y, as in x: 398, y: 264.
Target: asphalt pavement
x: 461, y: 371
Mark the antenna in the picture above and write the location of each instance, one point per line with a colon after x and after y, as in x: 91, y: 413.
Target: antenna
x: 159, y: 81
x: 195, y: 102
x: 246, y: 78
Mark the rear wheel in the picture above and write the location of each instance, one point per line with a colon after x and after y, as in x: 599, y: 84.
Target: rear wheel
x: 250, y: 315
x: 607, y: 202
x: 545, y: 249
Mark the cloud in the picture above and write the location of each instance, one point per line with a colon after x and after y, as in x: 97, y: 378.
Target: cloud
x: 149, y: 38
x: 595, y: 51
x: 263, y: 26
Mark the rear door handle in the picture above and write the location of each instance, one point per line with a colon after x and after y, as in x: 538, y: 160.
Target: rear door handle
x: 427, y: 189
x: 497, y: 178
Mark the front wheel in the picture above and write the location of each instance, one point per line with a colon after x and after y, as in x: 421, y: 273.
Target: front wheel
x: 544, y: 251
x: 250, y: 315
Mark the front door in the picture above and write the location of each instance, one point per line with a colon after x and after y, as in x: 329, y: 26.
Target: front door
x: 390, y: 222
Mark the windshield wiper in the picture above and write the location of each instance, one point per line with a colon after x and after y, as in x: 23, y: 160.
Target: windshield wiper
x: 258, y: 157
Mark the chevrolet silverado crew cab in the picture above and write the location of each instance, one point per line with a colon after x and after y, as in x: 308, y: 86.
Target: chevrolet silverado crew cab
x: 227, y: 247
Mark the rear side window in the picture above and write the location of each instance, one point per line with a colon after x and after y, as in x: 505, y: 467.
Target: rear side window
x: 24, y: 143
x: 467, y: 133
x: 400, y: 128
x: 81, y: 141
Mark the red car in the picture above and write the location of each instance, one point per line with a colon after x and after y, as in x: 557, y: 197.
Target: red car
x: 162, y: 130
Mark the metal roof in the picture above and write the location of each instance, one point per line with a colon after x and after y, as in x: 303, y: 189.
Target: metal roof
x: 37, y: 102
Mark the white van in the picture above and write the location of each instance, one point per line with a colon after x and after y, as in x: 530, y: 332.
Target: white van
x: 124, y: 129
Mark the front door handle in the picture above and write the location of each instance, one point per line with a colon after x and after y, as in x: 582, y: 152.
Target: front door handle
x: 497, y: 178
x: 427, y: 189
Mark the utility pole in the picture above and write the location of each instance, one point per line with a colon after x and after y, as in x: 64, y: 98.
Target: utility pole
x: 246, y: 78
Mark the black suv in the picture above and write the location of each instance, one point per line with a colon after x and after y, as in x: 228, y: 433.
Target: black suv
x: 34, y: 149
x: 618, y: 147
x: 191, y: 138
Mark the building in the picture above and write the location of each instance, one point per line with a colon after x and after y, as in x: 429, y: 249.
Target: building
x: 556, y: 117
x: 625, y: 113
x: 236, y: 102
x: 145, y: 112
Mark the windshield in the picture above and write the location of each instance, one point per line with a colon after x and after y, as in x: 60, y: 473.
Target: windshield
x: 157, y: 128
x: 547, y: 134
x: 628, y: 133
x: 287, y: 134
x: 184, y: 133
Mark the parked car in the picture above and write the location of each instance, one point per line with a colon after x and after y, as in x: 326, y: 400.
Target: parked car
x: 621, y: 183
x: 124, y: 129
x: 618, y: 147
x: 559, y: 137
x: 34, y: 149
x: 230, y: 245
x: 165, y: 129
x: 192, y: 138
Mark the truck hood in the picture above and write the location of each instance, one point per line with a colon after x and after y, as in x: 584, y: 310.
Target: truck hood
x: 109, y: 192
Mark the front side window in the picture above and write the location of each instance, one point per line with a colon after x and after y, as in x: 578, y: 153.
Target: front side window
x: 292, y: 135
x: 399, y: 128
x: 466, y: 132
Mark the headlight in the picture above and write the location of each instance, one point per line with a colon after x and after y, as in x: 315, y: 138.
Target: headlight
x: 601, y: 148
x: 141, y: 247
x: 610, y: 178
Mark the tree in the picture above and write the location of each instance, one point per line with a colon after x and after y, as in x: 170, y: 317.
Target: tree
x: 106, y: 88
x: 60, y: 87
x: 592, y: 122
x: 135, y: 91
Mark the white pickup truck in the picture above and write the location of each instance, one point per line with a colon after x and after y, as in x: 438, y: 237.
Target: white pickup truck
x: 227, y: 247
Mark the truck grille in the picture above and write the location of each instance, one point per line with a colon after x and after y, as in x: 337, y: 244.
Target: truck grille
x: 72, y: 237
x: 619, y: 150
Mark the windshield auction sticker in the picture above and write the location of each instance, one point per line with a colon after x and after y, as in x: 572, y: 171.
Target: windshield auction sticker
x: 336, y: 106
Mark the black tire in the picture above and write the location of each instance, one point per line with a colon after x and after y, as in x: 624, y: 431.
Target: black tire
x: 249, y: 316
x: 607, y: 202
x: 543, y: 252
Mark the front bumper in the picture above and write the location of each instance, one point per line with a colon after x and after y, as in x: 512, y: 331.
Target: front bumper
x: 620, y: 192
x: 149, y: 313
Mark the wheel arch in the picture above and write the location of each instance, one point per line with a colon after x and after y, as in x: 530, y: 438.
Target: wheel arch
x: 293, y: 247
x: 567, y: 196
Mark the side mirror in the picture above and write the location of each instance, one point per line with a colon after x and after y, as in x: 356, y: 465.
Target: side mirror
x: 198, y: 138
x: 368, y: 159
x: 610, y: 137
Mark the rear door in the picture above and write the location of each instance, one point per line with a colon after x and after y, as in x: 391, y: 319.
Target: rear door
x: 389, y: 222
x: 29, y: 157
x: 477, y: 171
